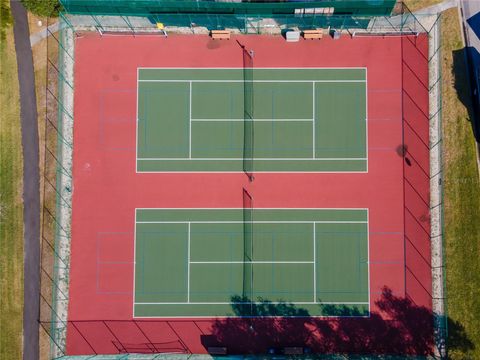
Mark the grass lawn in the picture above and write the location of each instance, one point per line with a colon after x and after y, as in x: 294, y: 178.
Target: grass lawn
x: 461, y: 200
x: 415, y: 5
x: 11, y: 208
x: 461, y: 194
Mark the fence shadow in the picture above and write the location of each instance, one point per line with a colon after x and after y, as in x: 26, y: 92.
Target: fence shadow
x: 397, y: 327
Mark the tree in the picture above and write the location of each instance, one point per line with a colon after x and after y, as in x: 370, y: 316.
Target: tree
x: 43, y: 7
x: 5, y: 18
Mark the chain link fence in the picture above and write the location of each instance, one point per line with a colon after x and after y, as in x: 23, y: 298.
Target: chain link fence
x: 59, y: 121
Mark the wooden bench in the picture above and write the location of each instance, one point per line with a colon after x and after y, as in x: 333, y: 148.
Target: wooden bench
x: 220, y: 34
x: 217, y: 350
x: 312, y: 34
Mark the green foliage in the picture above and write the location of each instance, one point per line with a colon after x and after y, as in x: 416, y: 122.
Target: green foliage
x: 42, y: 7
x: 5, y: 18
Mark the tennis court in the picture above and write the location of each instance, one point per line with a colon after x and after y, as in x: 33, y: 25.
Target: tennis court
x: 228, y: 262
x: 276, y: 119
x: 173, y: 255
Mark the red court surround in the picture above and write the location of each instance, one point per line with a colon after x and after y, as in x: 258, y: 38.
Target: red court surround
x: 107, y: 190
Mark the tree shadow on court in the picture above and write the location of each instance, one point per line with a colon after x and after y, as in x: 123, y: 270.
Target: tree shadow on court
x: 466, y: 73
x: 397, y: 327
x: 253, y: 329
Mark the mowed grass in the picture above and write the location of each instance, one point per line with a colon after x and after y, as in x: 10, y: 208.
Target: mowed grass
x: 461, y: 199
x: 415, y: 5
x: 11, y: 209
x: 461, y: 193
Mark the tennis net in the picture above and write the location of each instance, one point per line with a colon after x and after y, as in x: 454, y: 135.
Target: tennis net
x: 248, y: 250
x: 248, y: 109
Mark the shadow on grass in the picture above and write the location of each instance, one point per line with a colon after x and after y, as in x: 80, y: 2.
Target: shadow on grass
x: 398, y: 328
x: 466, y: 71
x: 457, y: 338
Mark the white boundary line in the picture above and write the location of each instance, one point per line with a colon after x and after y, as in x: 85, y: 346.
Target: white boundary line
x: 257, y: 67
x: 166, y: 318
x: 134, y: 260
x: 256, y: 159
x: 255, y: 120
x: 254, y: 302
x: 256, y: 172
x: 314, y: 122
x: 256, y: 208
x: 366, y: 115
x: 368, y: 259
x: 136, y: 125
x: 314, y: 263
x: 298, y: 303
x: 239, y: 171
x: 254, y: 222
x: 250, y: 262
x: 188, y: 266
x: 255, y: 81
x: 189, y: 123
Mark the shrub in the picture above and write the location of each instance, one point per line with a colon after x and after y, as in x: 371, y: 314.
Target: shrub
x: 42, y: 7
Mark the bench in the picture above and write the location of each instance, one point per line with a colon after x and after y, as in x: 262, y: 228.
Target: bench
x: 312, y: 34
x: 217, y: 350
x: 295, y: 350
x: 220, y: 34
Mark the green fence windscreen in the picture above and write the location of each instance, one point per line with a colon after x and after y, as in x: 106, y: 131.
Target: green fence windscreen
x: 255, y: 7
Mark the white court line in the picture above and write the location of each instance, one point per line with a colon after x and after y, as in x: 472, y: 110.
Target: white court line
x: 252, y: 262
x: 368, y: 258
x: 259, y: 67
x: 134, y: 260
x: 230, y: 303
x: 190, y: 123
x: 254, y: 222
x: 256, y: 159
x: 366, y: 119
x: 136, y: 126
x: 256, y: 208
x: 255, y: 81
x: 188, y: 265
x: 255, y: 120
x: 251, y: 302
x: 270, y: 81
x: 167, y: 317
x: 257, y: 172
x: 314, y: 263
x: 314, y: 124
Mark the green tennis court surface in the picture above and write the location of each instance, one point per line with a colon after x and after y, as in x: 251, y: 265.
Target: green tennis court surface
x: 304, y: 120
x: 226, y: 262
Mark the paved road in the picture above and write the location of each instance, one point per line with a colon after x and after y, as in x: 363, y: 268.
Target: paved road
x: 31, y: 181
